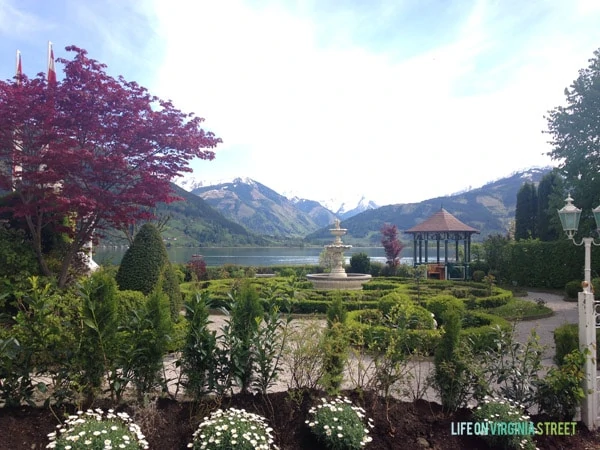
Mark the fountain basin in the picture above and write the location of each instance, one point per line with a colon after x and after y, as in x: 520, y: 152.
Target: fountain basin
x: 351, y: 281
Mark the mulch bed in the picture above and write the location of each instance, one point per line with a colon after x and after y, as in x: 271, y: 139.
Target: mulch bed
x: 169, y: 424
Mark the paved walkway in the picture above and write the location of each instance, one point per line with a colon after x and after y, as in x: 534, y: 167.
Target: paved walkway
x: 564, y: 312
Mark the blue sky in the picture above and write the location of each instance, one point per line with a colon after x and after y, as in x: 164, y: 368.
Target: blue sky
x: 399, y: 100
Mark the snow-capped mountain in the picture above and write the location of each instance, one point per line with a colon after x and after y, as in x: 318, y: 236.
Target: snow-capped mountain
x: 350, y: 209
x: 343, y: 209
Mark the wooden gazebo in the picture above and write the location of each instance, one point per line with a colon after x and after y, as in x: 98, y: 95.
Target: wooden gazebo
x: 444, y: 228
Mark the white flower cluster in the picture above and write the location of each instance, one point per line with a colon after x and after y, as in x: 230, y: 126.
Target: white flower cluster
x: 233, y: 429
x: 110, y: 429
x: 498, y: 409
x: 512, y: 411
x: 340, y: 420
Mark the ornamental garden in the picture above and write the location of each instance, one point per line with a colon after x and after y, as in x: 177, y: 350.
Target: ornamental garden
x: 149, y: 331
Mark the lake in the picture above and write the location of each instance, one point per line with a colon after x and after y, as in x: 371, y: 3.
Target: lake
x: 245, y: 256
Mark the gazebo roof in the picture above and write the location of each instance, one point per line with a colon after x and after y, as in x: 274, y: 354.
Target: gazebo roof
x: 441, y: 221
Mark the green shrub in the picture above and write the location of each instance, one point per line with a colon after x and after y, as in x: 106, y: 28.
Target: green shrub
x: 566, y: 340
x: 335, y: 347
x: 596, y: 287
x: 246, y: 316
x: 408, y: 316
x: 376, y: 268
x: 572, y: 289
x: 440, y: 303
x: 17, y: 258
x: 360, y: 263
x: 451, y: 371
x: 170, y: 286
x: 198, y: 354
x: 128, y: 301
x: 478, y: 275
x: 99, y: 333
x: 560, y: 392
x: 143, y: 262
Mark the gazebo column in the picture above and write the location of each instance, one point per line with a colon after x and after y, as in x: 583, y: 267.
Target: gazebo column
x: 438, y: 248
x: 415, y: 241
x: 467, y: 258
x: 446, y: 250
x: 456, y: 251
x: 426, y: 249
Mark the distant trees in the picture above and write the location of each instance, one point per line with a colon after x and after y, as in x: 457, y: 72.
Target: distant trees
x: 575, y: 137
x: 535, y: 215
x: 526, y: 212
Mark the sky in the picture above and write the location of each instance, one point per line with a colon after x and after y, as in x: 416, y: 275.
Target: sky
x: 396, y: 100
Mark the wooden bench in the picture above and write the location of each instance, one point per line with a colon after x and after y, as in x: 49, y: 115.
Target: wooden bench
x: 436, y: 271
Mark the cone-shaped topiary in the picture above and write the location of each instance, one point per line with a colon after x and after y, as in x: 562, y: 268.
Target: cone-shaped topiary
x: 143, y: 262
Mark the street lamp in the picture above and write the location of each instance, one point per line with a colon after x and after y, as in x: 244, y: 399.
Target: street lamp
x: 588, y: 313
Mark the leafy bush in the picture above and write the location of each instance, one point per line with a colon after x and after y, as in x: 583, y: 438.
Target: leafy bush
x: 335, y: 347
x: 233, y: 429
x: 560, y: 392
x: 17, y: 258
x: 408, y: 316
x: 339, y: 425
x: 303, y: 356
x: 360, y: 263
x: 97, y: 429
x: 439, y: 304
x: 493, y: 411
x: 143, y: 262
x: 99, y: 332
x: 170, y: 286
x: 566, y: 340
x: 452, y: 376
x: 572, y: 289
x: 246, y: 316
x: 198, y: 354
x: 478, y: 275
x: 515, y: 366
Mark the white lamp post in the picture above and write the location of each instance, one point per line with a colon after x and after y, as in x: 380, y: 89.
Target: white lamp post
x: 588, y: 313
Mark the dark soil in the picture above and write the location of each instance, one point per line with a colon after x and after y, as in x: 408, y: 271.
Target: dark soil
x: 168, y: 424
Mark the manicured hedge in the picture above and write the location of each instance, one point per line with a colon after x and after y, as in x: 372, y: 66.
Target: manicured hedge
x: 566, y: 339
x: 545, y: 264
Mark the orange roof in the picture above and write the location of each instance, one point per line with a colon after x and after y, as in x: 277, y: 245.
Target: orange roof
x: 441, y: 221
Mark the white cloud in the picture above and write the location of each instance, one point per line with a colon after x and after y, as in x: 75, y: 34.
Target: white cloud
x: 400, y: 101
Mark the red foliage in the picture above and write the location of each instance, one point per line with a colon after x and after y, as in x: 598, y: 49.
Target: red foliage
x: 197, y: 266
x: 391, y: 244
x: 93, y: 148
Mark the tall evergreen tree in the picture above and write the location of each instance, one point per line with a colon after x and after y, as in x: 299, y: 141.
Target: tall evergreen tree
x: 526, y: 212
x: 575, y: 137
x: 549, y: 191
x: 143, y: 262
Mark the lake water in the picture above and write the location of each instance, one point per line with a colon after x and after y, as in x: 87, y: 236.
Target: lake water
x: 245, y: 256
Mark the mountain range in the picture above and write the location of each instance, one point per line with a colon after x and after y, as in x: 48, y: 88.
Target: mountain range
x: 245, y: 212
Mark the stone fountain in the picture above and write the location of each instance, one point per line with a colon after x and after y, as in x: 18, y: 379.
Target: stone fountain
x: 338, y: 278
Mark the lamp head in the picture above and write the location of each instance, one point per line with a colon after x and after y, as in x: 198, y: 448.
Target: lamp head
x: 569, y: 217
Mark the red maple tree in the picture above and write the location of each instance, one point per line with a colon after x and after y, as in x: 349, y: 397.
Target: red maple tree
x: 96, y: 150
x: 391, y: 244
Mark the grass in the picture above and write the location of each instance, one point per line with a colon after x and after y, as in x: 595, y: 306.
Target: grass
x: 518, y: 309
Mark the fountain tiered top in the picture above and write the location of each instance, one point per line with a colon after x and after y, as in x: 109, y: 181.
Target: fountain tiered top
x: 338, y: 278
